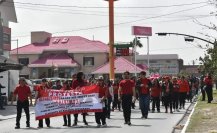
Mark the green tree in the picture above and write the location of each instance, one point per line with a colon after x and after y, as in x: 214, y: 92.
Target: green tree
x: 136, y: 42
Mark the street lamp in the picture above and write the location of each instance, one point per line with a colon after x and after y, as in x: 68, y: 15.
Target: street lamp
x: 147, y: 52
x: 111, y: 38
x: 189, y: 37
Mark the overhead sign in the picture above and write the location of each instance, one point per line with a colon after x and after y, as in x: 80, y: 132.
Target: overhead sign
x: 6, y: 38
x: 141, y: 31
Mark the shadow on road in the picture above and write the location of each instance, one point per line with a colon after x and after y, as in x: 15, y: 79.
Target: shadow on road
x: 157, y: 118
x: 140, y: 125
x: 89, y: 126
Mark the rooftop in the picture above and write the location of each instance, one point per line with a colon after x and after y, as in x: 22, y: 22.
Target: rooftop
x: 72, y: 44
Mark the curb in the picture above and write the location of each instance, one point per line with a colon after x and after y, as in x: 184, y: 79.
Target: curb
x: 173, y: 130
x: 187, y: 122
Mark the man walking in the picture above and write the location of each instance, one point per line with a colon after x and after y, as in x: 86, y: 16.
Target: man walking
x: 144, y: 94
x: 23, y: 92
x: 125, y: 93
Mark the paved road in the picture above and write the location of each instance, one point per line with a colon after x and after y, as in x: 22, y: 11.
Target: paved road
x: 157, y: 122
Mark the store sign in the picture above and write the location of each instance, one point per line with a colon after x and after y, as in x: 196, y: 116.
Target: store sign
x: 141, y: 31
x: 122, y: 52
x: 6, y: 38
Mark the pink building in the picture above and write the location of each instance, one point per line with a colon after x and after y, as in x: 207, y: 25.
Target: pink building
x: 61, y: 56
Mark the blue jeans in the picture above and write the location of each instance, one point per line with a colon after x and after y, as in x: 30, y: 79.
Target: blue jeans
x: 144, y: 101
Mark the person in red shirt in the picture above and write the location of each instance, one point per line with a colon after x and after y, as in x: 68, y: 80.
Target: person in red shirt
x: 66, y: 118
x: 144, y: 94
x: 175, y: 96
x: 167, y: 92
x: 208, y: 87
x: 183, y: 91
x: 125, y: 93
x: 116, y: 102
x: 76, y: 84
x: 39, y: 93
x: 23, y: 92
x: 155, y: 94
x: 100, y: 117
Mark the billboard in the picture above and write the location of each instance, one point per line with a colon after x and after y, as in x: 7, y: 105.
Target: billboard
x: 141, y: 31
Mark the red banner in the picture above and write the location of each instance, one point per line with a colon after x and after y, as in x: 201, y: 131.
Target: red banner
x: 61, y: 102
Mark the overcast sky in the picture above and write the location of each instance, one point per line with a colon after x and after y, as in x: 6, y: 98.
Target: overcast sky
x: 89, y: 19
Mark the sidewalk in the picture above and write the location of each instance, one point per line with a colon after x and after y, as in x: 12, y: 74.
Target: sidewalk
x: 10, y: 112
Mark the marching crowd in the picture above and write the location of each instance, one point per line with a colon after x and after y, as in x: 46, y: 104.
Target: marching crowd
x: 171, y: 92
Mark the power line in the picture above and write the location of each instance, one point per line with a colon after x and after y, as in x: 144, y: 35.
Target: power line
x: 68, y: 6
x: 58, y: 10
x: 78, y: 13
x: 128, y: 22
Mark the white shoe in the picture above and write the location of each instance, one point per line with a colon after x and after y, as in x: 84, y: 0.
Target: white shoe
x: 105, y: 125
x: 98, y: 125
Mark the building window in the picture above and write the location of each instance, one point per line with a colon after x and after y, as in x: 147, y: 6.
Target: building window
x: 168, y: 61
x: 153, y: 61
x: 24, y: 61
x: 88, y: 61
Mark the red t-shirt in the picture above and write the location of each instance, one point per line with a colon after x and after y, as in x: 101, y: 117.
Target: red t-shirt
x: 40, y: 90
x: 208, y: 81
x: 127, y: 86
x: 115, y: 89
x: 102, y: 91
x: 144, y: 89
x: 155, y: 91
x: 175, y: 87
x: 183, y: 86
x: 76, y: 84
x: 23, y: 92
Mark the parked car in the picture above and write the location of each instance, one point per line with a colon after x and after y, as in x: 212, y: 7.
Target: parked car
x: 31, y: 86
x: 35, y: 83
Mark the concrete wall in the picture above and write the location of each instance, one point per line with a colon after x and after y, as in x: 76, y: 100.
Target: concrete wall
x: 99, y: 59
x: 163, y: 67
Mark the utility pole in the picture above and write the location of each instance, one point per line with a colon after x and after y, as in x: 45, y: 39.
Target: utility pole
x: 111, y: 38
x: 1, y: 35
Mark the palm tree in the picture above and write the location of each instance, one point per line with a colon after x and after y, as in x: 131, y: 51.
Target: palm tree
x: 136, y: 42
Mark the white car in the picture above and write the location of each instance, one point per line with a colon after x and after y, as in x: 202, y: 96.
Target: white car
x: 31, y: 86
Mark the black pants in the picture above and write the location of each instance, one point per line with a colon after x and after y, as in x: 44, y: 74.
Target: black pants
x: 101, y: 117
x: 209, y: 93
x: 126, y: 105
x: 1, y: 101
x: 156, y: 102
x: 108, y: 107
x: 67, y: 120
x: 203, y: 93
x: 168, y: 102
x: 175, y: 99
x: 76, y: 118
x: 47, y: 121
x: 182, y: 97
x: 22, y: 105
x: 116, y: 102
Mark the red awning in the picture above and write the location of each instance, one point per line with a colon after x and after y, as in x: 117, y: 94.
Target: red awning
x: 121, y: 65
x: 54, y: 60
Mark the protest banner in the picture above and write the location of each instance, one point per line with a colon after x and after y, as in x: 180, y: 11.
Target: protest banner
x: 61, y: 102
